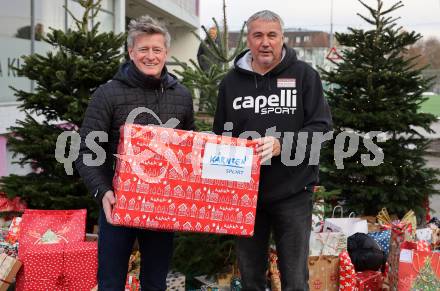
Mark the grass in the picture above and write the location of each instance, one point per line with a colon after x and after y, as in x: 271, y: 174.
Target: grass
x: 432, y: 105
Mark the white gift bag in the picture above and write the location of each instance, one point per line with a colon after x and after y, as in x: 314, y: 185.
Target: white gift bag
x: 327, y: 243
x: 349, y: 225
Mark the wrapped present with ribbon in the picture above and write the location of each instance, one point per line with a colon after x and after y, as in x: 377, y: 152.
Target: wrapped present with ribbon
x: 62, y: 266
x: 369, y: 280
x: 401, y: 231
x: 176, y: 180
x: 14, y: 230
x: 132, y: 283
x: 10, y: 249
x: 274, y: 272
x: 327, y: 243
x: 9, y: 267
x: 39, y: 227
x: 383, y: 239
x: 406, y: 226
x: 323, y: 273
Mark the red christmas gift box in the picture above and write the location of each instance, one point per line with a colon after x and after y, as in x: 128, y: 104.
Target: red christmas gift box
x: 51, y: 227
x: 185, y: 181
x: 71, y: 266
x: 369, y: 281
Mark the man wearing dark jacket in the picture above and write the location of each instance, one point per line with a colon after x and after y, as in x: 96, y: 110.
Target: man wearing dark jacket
x: 273, y: 97
x: 143, y: 82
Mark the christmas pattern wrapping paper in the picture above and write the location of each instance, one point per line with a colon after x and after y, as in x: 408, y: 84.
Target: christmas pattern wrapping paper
x: 63, y: 267
x: 39, y: 227
x: 327, y: 243
x: 14, y: 230
x: 11, y: 205
x: 175, y: 281
x: 347, y: 274
x: 178, y: 180
x: 9, y: 267
x: 369, y: 281
x: 383, y: 239
x: 418, y: 270
x: 132, y: 283
x: 323, y: 273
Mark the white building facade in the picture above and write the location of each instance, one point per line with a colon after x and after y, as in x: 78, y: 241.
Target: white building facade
x: 19, y: 18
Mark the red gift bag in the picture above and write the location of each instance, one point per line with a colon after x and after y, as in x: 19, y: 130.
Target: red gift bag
x: 64, y: 267
x: 51, y: 226
x: 418, y: 270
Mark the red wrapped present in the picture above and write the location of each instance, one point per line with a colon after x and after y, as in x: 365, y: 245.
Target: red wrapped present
x: 51, y: 227
x: 347, y: 274
x: 14, y: 230
x: 132, y: 283
x: 65, y: 267
x: 11, y: 204
x: 185, y: 181
x: 369, y: 281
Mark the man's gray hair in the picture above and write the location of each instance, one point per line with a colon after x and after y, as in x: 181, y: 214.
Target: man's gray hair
x: 146, y: 25
x: 265, y: 15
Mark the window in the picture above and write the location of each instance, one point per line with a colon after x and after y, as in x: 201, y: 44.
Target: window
x: 298, y: 39
x: 306, y: 38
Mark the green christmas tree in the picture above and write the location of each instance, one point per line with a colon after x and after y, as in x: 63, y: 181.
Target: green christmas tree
x: 375, y: 88
x: 83, y: 59
x: 426, y: 280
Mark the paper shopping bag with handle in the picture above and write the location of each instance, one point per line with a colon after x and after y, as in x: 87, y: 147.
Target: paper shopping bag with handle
x: 349, y: 225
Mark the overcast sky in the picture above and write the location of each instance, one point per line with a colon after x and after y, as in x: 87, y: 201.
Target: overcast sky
x: 422, y: 16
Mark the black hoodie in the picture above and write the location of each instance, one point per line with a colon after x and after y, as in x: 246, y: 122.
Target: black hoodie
x: 110, y: 106
x: 289, y: 98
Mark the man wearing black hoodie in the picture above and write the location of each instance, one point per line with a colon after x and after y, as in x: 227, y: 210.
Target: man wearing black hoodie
x: 273, y: 97
x: 143, y: 82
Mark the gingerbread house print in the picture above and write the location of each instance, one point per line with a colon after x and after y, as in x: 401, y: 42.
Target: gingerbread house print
x: 198, y: 226
x: 131, y: 204
x: 118, y: 183
x: 225, y: 199
x: 151, y: 223
x: 147, y: 206
x: 193, y: 210
x: 222, y: 230
x: 136, y: 221
x: 212, y: 197
x: 177, y: 225
x: 116, y: 218
x: 244, y: 232
x: 121, y: 202
x: 175, y: 139
x: 178, y: 192
x: 207, y: 228
x: 245, y: 201
x: 127, y: 185
x: 187, y: 226
x: 172, y: 174
x: 127, y: 218
x: 249, y: 218
x: 197, y: 194
x: 202, y: 213
x: 180, y: 156
x: 235, y: 199
x: 240, y: 217
x: 161, y: 209
x: 142, y: 187
x: 183, y: 210
x: 185, y: 173
x: 171, y: 209
x: 167, y: 191
x: 216, y: 214
x: 188, y: 158
x: 189, y: 193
